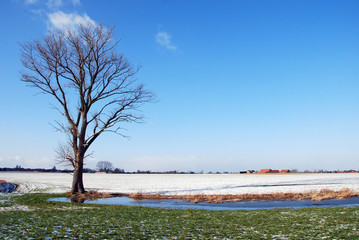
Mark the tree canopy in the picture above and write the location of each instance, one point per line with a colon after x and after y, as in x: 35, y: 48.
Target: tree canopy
x: 94, y: 85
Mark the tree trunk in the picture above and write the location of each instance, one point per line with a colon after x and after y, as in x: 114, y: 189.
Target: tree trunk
x: 77, y: 180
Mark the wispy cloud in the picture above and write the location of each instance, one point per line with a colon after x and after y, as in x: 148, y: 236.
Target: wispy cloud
x: 63, y: 20
x: 29, y: 2
x: 56, y: 17
x: 164, y: 39
x: 42, y: 162
x: 76, y: 2
x: 10, y: 158
x: 39, y: 162
x: 54, y: 4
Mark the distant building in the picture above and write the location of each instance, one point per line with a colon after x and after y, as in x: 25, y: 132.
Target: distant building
x: 285, y: 171
x: 268, y: 171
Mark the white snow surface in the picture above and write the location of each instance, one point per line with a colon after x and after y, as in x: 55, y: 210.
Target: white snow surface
x: 183, y: 184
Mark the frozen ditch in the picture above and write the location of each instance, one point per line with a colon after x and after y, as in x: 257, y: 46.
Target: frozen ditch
x: 243, y: 205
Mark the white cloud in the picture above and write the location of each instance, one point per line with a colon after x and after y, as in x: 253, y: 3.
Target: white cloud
x: 35, y: 162
x: 51, y: 4
x: 42, y: 162
x: 10, y: 158
x: 164, y: 39
x: 63, y: 20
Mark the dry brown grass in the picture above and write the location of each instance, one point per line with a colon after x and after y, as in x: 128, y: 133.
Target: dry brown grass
x: 90, y: 195
x: 329, y: 194
x: 196, y: 198
x: 143, y: 196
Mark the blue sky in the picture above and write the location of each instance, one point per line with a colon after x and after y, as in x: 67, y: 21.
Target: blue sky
x: 240, y: 84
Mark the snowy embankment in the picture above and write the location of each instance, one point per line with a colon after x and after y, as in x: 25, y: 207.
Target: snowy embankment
x: 184, y: 184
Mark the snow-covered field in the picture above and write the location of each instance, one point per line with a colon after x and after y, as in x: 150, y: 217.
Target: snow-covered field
x: 184, y: 184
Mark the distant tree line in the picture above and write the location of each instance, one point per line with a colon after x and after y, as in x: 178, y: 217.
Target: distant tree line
x: 107, y: 167
x: 21, y: 169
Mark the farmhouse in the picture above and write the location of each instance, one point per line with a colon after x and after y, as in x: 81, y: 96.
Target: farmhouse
x: 268, y: 171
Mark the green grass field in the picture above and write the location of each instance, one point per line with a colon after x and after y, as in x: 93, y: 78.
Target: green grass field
x: 30, y: 216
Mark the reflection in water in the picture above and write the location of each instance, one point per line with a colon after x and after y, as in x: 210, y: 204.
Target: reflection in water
x: 77, y: 200
x: 243, y: 205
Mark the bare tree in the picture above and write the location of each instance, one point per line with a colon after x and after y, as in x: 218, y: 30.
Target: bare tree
x: 65, y: 155
x: 93, y: 84
x: 104, y: 166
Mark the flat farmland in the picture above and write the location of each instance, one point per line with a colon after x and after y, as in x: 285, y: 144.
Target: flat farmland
x: 31, y: 216
x: 184, y: 183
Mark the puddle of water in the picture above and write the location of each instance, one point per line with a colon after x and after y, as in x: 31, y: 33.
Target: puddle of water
x: 244, y: 205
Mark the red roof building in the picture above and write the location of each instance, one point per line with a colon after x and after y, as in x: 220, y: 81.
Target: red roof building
x: 268, y: 171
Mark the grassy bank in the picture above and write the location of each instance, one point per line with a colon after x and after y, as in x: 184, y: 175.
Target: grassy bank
x: 31, y: 216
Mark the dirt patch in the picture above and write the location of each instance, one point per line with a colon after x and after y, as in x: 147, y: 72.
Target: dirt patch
x: 323, y: 194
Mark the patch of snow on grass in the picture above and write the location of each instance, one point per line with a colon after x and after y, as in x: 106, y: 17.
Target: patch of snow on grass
x: 16, y: 208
